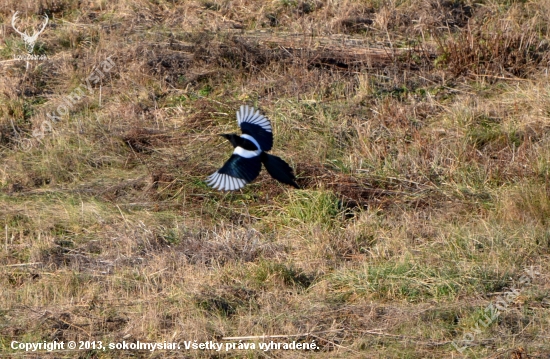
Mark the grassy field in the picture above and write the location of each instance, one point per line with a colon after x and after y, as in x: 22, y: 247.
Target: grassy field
x: 418, y: 130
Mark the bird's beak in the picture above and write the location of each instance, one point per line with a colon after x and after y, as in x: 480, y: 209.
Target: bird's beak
x: 226, y: 136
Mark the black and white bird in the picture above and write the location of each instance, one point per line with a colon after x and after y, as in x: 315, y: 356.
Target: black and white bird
x: 250, y: 152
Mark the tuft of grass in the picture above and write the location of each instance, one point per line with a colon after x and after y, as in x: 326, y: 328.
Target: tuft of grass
x: 311, y: 207
x: 287, y: 275
x: 492, y: 46
x: 401, y: 281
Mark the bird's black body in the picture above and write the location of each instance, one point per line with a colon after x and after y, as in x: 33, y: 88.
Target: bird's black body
x: 238, y: 141
x: 249, y: 153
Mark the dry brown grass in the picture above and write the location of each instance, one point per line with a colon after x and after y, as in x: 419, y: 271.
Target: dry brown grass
x: 419, y: 132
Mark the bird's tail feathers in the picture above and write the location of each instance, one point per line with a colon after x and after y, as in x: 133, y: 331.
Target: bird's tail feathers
x: 278, y: 169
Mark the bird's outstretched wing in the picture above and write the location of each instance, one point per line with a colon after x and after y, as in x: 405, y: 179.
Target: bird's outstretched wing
x: 256, y: 125
x: 235, y: 173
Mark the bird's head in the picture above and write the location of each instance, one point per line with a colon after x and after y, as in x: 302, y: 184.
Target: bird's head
x: 231, y: 137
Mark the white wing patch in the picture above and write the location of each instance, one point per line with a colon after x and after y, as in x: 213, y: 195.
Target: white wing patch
x: 225, y: 182
x: 246, y: 153
x: 247, y: 114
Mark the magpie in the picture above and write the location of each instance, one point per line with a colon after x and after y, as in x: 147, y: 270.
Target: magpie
x: 250, y: 151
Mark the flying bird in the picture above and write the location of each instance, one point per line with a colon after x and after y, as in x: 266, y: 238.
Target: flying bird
x: 250, y: 151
